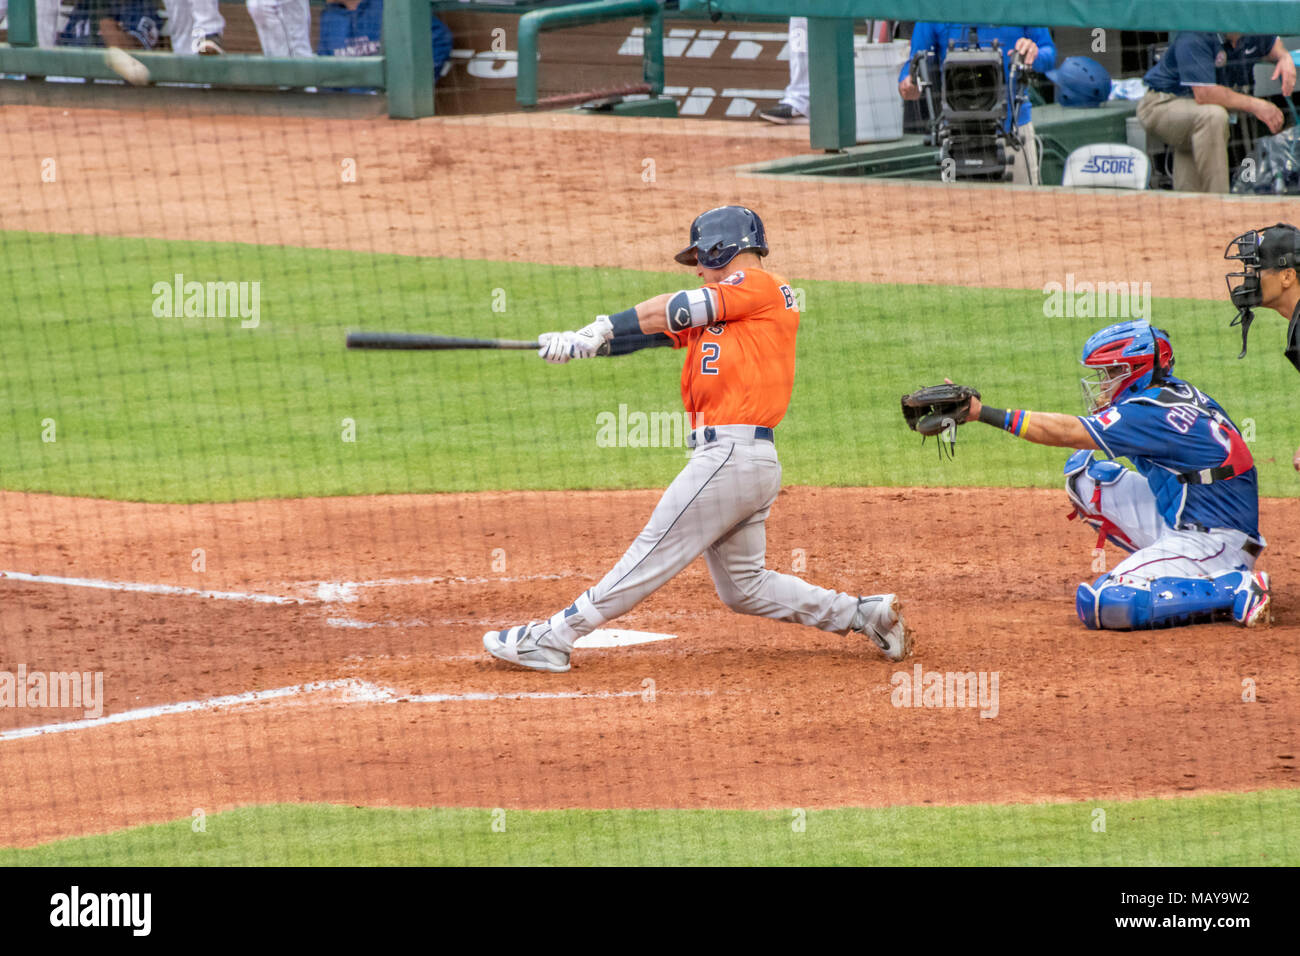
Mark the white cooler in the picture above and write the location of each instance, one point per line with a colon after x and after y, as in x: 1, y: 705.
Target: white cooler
x: 875, y: 74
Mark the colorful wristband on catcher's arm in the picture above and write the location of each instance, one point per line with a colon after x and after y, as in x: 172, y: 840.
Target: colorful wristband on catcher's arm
x: 625, y: 323
x: 1017, y: 421
x: 1014, y: 420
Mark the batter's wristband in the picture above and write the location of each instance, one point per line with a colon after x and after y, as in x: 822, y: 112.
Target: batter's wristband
x: 996, y: 417
x: 625, y: 323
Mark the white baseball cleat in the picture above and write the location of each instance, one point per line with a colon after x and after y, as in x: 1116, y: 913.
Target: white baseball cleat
x: 1251, y: 603
x: 210, y: 45
x: 528, y: 645
x: 783, y: 114
x: 880, y: 617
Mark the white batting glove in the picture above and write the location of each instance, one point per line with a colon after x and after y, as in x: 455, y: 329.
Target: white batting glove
x: 554, y: 347
x: 585, y: 342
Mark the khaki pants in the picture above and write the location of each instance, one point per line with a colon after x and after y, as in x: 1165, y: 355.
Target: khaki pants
x: 1198, y: 134
x: 1024, y: 161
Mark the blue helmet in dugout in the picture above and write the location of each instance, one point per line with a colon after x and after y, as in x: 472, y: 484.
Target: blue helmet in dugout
x: 1123, y: 359
x: 717, y: 235
x: 1081, y: 81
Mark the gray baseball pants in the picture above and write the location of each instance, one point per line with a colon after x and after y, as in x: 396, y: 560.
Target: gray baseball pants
x: 717, y: 506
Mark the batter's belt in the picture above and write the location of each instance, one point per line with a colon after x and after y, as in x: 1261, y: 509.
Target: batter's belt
x: 744, y: 434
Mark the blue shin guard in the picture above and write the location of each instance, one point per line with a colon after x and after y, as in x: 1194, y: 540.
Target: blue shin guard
x: 1165, y: 602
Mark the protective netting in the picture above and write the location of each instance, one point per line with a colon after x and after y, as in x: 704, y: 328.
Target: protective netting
x: 246, y: 573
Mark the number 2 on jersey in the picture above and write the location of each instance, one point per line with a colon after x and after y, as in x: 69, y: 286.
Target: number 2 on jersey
x: 708, y: 363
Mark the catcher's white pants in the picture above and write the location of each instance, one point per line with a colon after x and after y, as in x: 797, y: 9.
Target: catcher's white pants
x: 1162, y: 551
x: 283, y: 26
x: 189, y: 21
x: 717, y: 507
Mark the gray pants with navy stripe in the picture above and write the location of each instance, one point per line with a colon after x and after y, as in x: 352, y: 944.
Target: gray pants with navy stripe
x: 717, y: 506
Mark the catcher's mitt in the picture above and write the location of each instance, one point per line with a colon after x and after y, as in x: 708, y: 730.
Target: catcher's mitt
x: 938, y: 408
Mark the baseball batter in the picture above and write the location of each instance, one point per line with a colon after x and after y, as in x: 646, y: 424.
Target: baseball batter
x: 738, y: 331
x: 1188, y: 510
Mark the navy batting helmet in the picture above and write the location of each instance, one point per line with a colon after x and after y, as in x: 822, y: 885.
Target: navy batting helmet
x: 717, y: 235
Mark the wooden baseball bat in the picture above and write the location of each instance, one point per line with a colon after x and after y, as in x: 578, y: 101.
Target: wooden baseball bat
x: 407, y: 340
x: 598, y: 97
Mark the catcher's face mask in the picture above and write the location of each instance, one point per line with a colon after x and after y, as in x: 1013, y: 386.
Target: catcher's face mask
x: 1128, y: 355
x: 1102, y: 383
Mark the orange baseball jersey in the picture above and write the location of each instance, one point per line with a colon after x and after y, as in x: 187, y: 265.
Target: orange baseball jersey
x: 740, y: 370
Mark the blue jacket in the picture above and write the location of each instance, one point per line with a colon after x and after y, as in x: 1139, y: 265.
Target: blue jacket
x: 345, y: 32
x: 934, y: 37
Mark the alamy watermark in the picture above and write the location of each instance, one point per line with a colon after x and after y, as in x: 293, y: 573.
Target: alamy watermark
x: 208, y: 300
x: 1097, y: 300
x: 53, y: 690
x: 76, y: 908
x: 626, y: 429
x: 923, y: 688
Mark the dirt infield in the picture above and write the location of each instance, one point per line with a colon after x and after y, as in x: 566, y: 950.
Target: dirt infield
x: 359, y: 620
x: 735, y: 712
x: 584, y: 190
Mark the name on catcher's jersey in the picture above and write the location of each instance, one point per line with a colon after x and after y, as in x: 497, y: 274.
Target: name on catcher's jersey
x: 740, y: 369
x: 1174, y: 429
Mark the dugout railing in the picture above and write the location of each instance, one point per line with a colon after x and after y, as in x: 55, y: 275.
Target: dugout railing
x: 404, y: 72
x: 830, y: 32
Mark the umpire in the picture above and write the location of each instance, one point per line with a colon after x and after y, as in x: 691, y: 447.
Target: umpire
x: 1270, y: 258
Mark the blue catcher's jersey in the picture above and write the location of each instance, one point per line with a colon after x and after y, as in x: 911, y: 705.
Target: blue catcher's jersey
x: 1174, y: 429
x: 137, y: 18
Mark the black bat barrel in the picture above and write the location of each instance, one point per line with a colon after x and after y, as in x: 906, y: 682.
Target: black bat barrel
x: 413, y: 341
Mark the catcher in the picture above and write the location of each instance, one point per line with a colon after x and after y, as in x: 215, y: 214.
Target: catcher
x: 738, y: 331
x: 1188, y: 510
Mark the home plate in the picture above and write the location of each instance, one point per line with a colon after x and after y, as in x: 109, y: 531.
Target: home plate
x: 608, y: 637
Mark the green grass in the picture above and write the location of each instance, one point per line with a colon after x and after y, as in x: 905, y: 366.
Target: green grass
x: 190, y: 409
x: 1251, y: 829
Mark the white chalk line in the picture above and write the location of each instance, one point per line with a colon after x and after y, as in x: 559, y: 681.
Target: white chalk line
x: 364, y: 625
x: 348, y: 690
x: 530, y: 695
x: 322, y: 592
x: 188, y: 706
x: 346, y: 591
x: 145, y: 588
x: 328, y: 593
